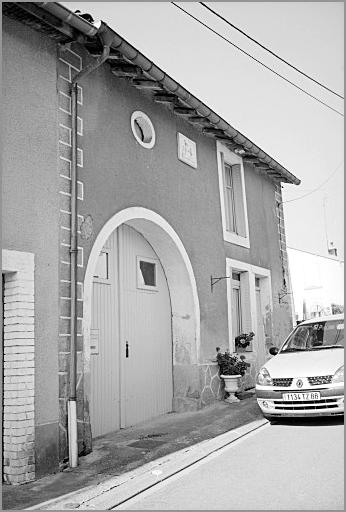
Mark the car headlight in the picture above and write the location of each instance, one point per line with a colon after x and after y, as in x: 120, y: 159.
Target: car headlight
x: 264, y: 378
x: 338, y: 375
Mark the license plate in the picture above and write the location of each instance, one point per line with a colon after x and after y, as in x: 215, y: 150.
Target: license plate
x: 301, y: 397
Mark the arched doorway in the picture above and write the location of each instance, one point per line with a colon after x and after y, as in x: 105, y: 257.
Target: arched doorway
x: 166, y: 249
x: 131, y: 343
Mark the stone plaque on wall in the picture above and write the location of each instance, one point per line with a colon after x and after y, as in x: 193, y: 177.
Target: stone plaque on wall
x: 187, y: 151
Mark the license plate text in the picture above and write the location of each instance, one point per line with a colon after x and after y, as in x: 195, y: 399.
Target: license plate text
x: 301, y: 397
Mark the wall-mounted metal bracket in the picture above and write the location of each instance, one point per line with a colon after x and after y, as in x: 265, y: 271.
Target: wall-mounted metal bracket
x: 214, y: 280
x: 282, y: 295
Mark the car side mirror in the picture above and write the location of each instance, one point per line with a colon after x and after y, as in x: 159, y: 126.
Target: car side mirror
x: 273, y: 351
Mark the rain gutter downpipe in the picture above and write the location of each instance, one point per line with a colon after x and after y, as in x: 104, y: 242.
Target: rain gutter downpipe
x: 106, y: 38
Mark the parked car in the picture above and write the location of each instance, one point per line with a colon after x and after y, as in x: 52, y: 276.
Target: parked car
x: 306, y: 375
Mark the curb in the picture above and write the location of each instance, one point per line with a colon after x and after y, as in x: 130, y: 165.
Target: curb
x: 117, y: 490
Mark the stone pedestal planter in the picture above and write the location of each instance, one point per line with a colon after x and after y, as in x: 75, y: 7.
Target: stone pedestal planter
x: 231, y: 386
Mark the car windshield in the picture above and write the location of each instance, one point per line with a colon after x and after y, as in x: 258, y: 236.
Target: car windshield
x: 316, y: 336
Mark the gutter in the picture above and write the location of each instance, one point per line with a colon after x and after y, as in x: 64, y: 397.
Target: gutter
x: 69, y: 17
x: 106, y: 38
x: 170, y: 85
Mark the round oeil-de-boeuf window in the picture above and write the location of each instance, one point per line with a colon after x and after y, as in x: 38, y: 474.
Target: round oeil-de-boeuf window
x: 143, y: 129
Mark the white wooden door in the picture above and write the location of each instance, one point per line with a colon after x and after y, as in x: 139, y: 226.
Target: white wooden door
x: 146, y: 334
x: 131, y: 368
x: 104, y: 343
x: 260, y: 336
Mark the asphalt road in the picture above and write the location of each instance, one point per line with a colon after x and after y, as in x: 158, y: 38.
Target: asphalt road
x: 288, y: 466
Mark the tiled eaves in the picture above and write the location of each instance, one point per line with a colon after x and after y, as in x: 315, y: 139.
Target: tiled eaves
x: 30, y: 14
x: 129, y: 64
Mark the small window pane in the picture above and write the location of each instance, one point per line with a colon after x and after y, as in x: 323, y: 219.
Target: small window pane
x: 143, y: 129
x: 228, y: 175
x: 257, y: 282
x: 236, y: 276
x: 139, y: 130
x: 236, y: 312
x: 239, y: 214
x: 229, y: 200
x: 148, y: 273
x: 101, y: 271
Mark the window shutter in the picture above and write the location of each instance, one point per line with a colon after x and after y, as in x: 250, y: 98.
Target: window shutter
x: 238, y: 199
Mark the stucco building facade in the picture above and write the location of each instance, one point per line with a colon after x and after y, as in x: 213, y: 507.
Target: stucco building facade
x: 167, y: 198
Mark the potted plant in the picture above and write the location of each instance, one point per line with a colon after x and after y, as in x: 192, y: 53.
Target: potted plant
x: 243, y: 340
x: 232, y: 368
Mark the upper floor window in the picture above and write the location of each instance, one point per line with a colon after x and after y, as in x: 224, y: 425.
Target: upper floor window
x: 233, y: 197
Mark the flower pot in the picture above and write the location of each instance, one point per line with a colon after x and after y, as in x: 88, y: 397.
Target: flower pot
x: 231, y: 386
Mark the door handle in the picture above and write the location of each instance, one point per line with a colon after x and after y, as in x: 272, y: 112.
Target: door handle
x: 127, y: 351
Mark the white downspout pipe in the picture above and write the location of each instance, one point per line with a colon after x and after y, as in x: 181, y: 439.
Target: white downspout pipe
x: 106, y: 38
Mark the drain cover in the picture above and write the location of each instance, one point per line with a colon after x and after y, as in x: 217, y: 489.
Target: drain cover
x: 146, y: 443
x: 155, y: 434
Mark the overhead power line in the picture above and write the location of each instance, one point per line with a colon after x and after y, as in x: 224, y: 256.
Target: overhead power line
x: 256, y: 60
x: 316, y: 189
x: 268, y: 50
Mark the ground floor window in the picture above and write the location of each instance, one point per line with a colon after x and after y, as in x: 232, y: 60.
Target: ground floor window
x: 249, y: 300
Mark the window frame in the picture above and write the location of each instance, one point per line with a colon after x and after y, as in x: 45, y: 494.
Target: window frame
x: 248, y: 275
x: 141, y: 286
x: 135, y: 116
x: 102, y: 279
x: 225, y: 156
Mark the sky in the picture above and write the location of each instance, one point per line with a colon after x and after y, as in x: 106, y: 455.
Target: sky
x: 304, y: 136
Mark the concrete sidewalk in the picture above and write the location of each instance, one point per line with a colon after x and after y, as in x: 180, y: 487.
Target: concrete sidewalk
x: 130, y: 455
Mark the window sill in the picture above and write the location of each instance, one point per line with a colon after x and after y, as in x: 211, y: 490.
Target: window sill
x: 101, y: 280
x: 232, y: 238
x: 147, y: 289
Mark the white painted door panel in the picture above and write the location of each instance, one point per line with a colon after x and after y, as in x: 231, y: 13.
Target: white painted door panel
x: 260, y: 336
x: 104, y: 365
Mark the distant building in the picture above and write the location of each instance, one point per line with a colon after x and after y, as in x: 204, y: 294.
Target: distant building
x: 332, y: 250
x: 317, y: 284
